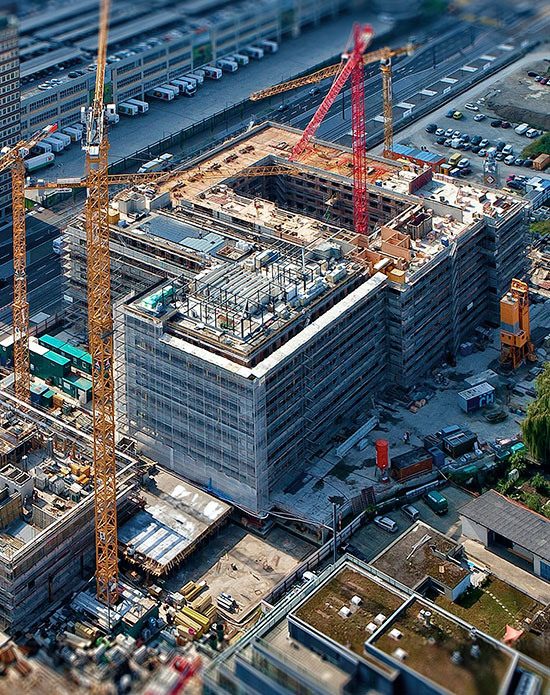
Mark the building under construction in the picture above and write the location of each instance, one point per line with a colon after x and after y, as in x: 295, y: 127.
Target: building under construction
x: 271, y: 319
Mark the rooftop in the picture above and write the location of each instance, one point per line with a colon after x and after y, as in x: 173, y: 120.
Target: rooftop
x: 511, y: 520
x: 443, y: 651
x: 419, y: 553
x: 176, y: 517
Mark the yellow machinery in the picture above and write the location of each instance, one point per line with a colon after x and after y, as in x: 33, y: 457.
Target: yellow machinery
x: 384, y: 55
x: 515, y: 336
x: 13, y: 159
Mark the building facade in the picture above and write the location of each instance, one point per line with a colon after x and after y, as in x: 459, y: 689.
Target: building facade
x: 10, y: 125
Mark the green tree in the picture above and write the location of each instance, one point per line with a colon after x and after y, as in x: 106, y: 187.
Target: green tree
x: 540, y: 484
x: 536, y: 426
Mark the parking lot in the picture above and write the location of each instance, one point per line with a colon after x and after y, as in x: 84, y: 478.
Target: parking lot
x: 416, y: 136
x: 371, y: 539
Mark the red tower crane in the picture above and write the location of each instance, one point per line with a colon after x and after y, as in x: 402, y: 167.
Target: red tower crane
x: 353, y: 67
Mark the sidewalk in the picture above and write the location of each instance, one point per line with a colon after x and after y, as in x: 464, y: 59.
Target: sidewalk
x: 507, y: 571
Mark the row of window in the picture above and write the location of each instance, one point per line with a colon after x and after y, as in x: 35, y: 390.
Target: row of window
x: 79, y: 101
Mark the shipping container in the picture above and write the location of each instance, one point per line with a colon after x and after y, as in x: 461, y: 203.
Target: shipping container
x: 411, y: 463
x: 51, y: 342
x: 476, y: 397
x: 459, y: 443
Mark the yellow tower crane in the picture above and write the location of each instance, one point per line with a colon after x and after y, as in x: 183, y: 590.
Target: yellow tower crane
x: 384, y: 55
x: 13, y: 158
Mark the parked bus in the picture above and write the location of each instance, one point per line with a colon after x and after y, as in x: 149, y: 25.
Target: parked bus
x: 254, y: 52
x: 43, y: 160
x: 41, y: 148
x: 142, y: 106
x: 56, y: 145
x: 74, y: 133
x: 126, y: 109
x: 227, y: 65
x: 184, y: 87
x: 239, y: 58
x: 213, y: 73
x: 269, y: 46
x: 162, y: 93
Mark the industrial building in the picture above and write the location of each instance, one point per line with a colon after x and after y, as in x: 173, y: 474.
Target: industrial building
x: 355, y: 629
x: 147, y: 47
x: 10, y: 125
x: 271, y: 320
x: 496, y: 521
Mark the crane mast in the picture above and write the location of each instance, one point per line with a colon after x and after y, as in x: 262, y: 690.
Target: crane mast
x: 100, y: 326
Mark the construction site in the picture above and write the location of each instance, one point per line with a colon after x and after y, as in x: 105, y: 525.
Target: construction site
x: 271, y: 318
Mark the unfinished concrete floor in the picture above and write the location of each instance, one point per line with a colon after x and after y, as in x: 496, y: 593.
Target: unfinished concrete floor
x: 241, y: 564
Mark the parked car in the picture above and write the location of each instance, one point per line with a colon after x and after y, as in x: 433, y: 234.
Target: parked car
x: 465, y: 171
x: 510, y: 159
x: 464, y: 162
x: 471, y: 107
x: 505, y: 124
x: 499, y: 156
x: 484, y: 142
x: 315, y: 90
x: 447, y: 142
x: 538, y: 78
x: 439, y: 132
x: 441, y: 140
x: 431, y: 127
x: 457, y: 115
x: 437, y: 502
x: 508, y: 149
x: 450, y: 113
x: 532, y: 73
x: 519, y: 162
x: 353, y: 550
x: 482, y: 153
x: 476, y: 149
x: 500, y: 145
x: 480, y: 117
x: 282, y: 107
x: 475, y: 139
x: 496, y: 123
x: 449, y: 132
x: 384, y: 522
x: 410, y: 512
x: 544, y: 80
x: 528, y: 163
x: 466, y: 146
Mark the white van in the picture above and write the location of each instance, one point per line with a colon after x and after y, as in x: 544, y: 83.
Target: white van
x: 213, y: 73
x: 239, y: 58
x: 126, y: 109
x: 269, y: 46
x: 185, y: 87
x: 142, y: 106
x: 227, y: 65
x: 254, y: 52
x: 162, y: 94
x: 56, y: 145
x: 521, y: 128
x: 384, y: 522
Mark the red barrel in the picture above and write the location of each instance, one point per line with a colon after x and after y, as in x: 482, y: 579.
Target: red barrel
x: 381, y: 454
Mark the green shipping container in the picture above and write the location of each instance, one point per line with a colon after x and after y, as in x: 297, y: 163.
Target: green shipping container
x: 46, y: 399
x: 87, y: 363
x: 57, y: 366
x: 51, y: 342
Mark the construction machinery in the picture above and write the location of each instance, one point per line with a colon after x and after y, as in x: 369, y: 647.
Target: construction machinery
x: 384, y: 55
x: 100, y: 327
x: 13, y: 158
x: 515, y: 335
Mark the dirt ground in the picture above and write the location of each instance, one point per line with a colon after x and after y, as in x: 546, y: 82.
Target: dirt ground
x: 518, y: 98
x: 241, y: 564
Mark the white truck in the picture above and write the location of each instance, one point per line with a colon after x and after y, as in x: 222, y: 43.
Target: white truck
x: 199, y: 79
x: 56, y: 145
x: 42, y: 160
x: 62, y: 137
x: 74, y: 133
x: 239, y: 58
x: 227, y: 65
x: 41, y: 148
x: 162, y: 94
x: 126, y: 109
x: 213, y: 73
x: 269, y: 46
x: 175, y: 90
x: 184, y: 87
x: 142, y: 106
x: 254, y: 52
